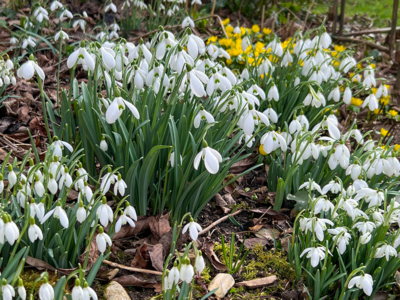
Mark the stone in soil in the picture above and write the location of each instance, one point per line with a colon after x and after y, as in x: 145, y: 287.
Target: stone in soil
x: 115, y: 291
x: 223, y: 282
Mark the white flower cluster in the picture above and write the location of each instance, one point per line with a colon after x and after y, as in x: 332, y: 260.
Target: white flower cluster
x: 6, y: 72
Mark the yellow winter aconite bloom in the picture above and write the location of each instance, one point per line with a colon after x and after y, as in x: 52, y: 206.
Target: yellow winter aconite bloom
x: 396, y: 147
x: 376, y: 111
x: 384, y: 132
x: 393, y: 112
x: 267, y: 31
x: 226, y: 22
x: 385, y: 100
x: 212, y: 39
x: 229, y: 29
x: 359, y: 66
x: 356, y: 101
x: 339, y: 48
x: 261, y: 149
x: 373, y: 66
x: 255, y: 28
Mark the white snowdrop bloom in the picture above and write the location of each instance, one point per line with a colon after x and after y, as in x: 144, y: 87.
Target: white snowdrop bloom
x: 81, y: 212
x: 318, y: 226
x: 245, y: 43
x: 86, y: 191
x: 216, y: 52
x: 392, y: 167
x: 101, y: 35
x: 382, y: 91
x: 123, y: 220
x: 211, y: 157
x: 88, y: 292
x: 62, y: 34
x: 7, y: 290
x: 378, y: 218
x: 315, y: 101
x: 342, y: 238
x: 21, y: 289
x: 295, y: 126
x: 68, y: 14
x: 112, y: 7
x: 105, y: 213
x: 58, y: 147
x: 271, y: 114
x: 354, y: 170
x: 385, y: 251
x: 273, y: 93
x: 297, y: 81
x: 106, y: 181
x: 81, y: 55
x: 52, y: 185
x: 194, y: 229
x: 237, y: 30
x: 365, y: 226
x: 256, y: 90
x: 316, y: 254
x: 325, y: 40
x: 199, y: 264
x: 218, y: 82
x: 13, y: 40
x: 359, y: 184
x: 366, y: 237
x: 187, y: 272
x: 8, y: 230
x: 55, y: 5
x: 28, y: 69
x: 364, y: 282
x: 46, y: 291
x: 372, y: 102
x: 331, y: 124
x: 265, y: 67
x: 102, y: 239
x: 173, y: 277
x: 1, y: 183
x: 250, y: 119
x: 65, y: 179
x: 120, y: 186
x: 276, y: 47
x: 140, y: 4
x: 335, y: 94
x: 248, y: 139
x: 58, y: 213
x: 373, y: 197
x: 351, y: 190
x: 37, y: 209
x: 347, y: 95
x: 187, y: 22
x: 369, y: 80
x: 203, y: 115
x: 39, y: 188
x: 349, y: 206
x: 117, y: 107
x: 81, y: 23
x: 103, y: 144
x: 287, y: 59
x: 107, y: 56
x: 40, y: 13
x: 34, y: 231
x: 195, y: 45
x: 323, y: 204
x: 249, y: 98
x: 311, y: 185
x: 357, y: 135
x: 272, y: 141
x: 12, y: 177
x: 195, y: 79
x: 318, y: 76
x: 77, y: 291
x: 347, y: 64
x: 130, y: 211
x: 138, y: 74
x: 172, y: 159
x: 167, y: 41
x: 333, y: 187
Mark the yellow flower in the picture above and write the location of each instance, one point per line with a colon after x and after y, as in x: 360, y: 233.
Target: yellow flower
x: 373, y: 66
x: 339, y: 48
x: 384, y: 100
x: 229, y: 61
x: 359, y: 66
x: 255, y: 28
x: 267, y: 31
x: 334, y: 53
x: 226, y: 22
x: 242, y: 30
x: 384, y: 132
x: 396, y: 147
x: 376, y: 111
x: 393, y: 112
x: 261, y: 149
x: 229, y: 29
x: 212, y: 39
x: 356, y: 101
x: 374, y: 90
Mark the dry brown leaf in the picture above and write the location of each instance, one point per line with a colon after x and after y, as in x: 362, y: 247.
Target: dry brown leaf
x: 229, y: 199
x: 250, y: 243
x: 268, y: 233
x: 259, y: 282
x: 41, y: 265
x: 256, y: 227
x: 142, y: 257
x: 270, y: 213
x: 140, y: 226
x: 208, y: 248
x: 160, y: 225
x: 157, y: 258
x: 243, y: 165
x: 138, y: 280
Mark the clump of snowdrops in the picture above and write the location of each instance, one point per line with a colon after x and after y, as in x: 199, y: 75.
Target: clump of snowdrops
x: 38, y: 219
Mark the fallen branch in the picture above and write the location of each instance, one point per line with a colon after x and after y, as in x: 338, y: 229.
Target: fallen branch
x: 219, y: 221
x: 370, y: 44
x: 115, y: 265
x: 377, y: 30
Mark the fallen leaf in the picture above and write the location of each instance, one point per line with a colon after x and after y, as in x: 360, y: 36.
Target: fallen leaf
x: 37, y: 125
x: 140, y: 226
x: 23, y: 114
x: 160, y: 225
x: 256, y: 227
x: 270, y: 213
x: 94, y: 254
x: 268, y: 233
x: 208, y: 248
x: 142, y: 257
x: 250, y: 243
x: 285, y: 243
x: 138, y: 280
x: 166, y: 241
x: 221, y: 203
x: 229, y: 199
x: 244, y: 164
x: 157, y: 258
x: 109, y: 274
x: 40, y: 264
x: 259, y: 282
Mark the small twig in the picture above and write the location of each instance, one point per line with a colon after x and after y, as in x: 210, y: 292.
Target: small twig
x: 219, y: 221
x: 370, y: 44
x: 115, y: 265
x: 262, y: 215
x: 240, y: 8
x: 262, y: 18
x: 213, y: 8
x: 308, y: 12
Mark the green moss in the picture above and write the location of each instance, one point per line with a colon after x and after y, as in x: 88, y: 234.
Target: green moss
x: 29, y: 276
x: 206, y: 275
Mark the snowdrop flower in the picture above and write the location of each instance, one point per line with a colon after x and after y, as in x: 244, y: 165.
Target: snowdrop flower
x: 198, y: 2
x: 187, y: 22
x: 14, y: 40
x: 186, y: 274
x: 39, y: 188
x: 58, y: 147
x: 40, y: 13
x: 102, y: 239
x: 173, y: 277
x: 65, y: 179
x: 365, y: 226
x: 316, y: 254
x: 1, y: 183
x: 21, y: 289
x: 323, y: 204
x: 8, y: 230
x: 29, y: 41
x: 57, y: 213
x: 315, y: 100
x: 52, y: 184
x: 255, y: 89
x: 68, y: 14
x: 335, y: 94
x: 28, y: 69
x: 46, y: 291
x: 81, y: 55
x: 88, y: 292
x: 218, y: 82
x: 106, y: 181
x: 332, y: 186
x: 272, y: 141
x: 276, y: 47
x: 382, y: 91
x: 103, y: 144
x: 329, y: 123
x: 365, y: 238
x: 369, y: 80
x: 250, y: 118
x: 354, y: 171
x: 123, y: 220
x: 195, y: 45
x: 318, y: 226
x: 311, y: 185
x: 194, y: 229
x: 342, y: 238
x: 120, y: 186
x: 364, y: 282
x: 378, y: 218
x: 287, y: 59
x: 199, y: 264
x: 55, y: 5
x: 349, y: 206
x: 116, y: 108
x: 62, y: 34
x: 12, y: 177
x: 81, y: 212
x: 7, y: 290
x: 271, y: 114
x: 385, y: 251
x: 105, y: 213
x: 195, y: 79
x: 130, y: 211
x: 34, y: 231
x: 211, y: 157
x: 81, y: 23
x: 203, y: 115
x: 325, y: 40
x: 112, y: 7
x: 77, y: 291
x: 273, y: 93
x: 347, y: 64
x: 373, y: 197
x: 372, y: 102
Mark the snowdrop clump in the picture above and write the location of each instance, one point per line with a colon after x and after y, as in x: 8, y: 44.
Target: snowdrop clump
x: 6, y: 72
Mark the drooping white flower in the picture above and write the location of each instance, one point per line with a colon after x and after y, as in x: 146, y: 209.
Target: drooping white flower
x: 65, y: 179
x: 365, y: 226
x: 187, y: 22
x: 81, y: 213
x: 55, y: 5
x: 323, y: 204
x: 40, y: 13
x: 250, y: 119
x: 199, y: 264
x: 365, y: 238
x: 102, y: 239
x: 105, y: 213
x: 211, y: 157
x: 117, y: 107
x: 173, y: 277
x: 325, y: 40
x: 385, y: 251
x: 12, y: 177
x: 46, y: 291
x: 273, y: 93
x: 372, y: 102
x: 318, y: 226
x: 28, y: 69
x: 58, y: 213
x: 76, y: 58
x: 186, y: 273
x: 77, y: 291
x: 88, y: 292
x: 342, y: 238
x: 203, y: 115
x: 333, y: 187
x: 7, y: 290
x: 373, y: 197
x: 316, y: 254
x: 364, y: 282
x: 34, y: 231
x: 123, y: 220
x: 194, y: 229
x: 8, y: 230
x: 59, y: 145
x: 272, y: 140
x: 111, y: 6
x: 62, y: 34
x: 68, y: 14
x: 21, y: 289
x: 120, y: 186
x: 311, y: 185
